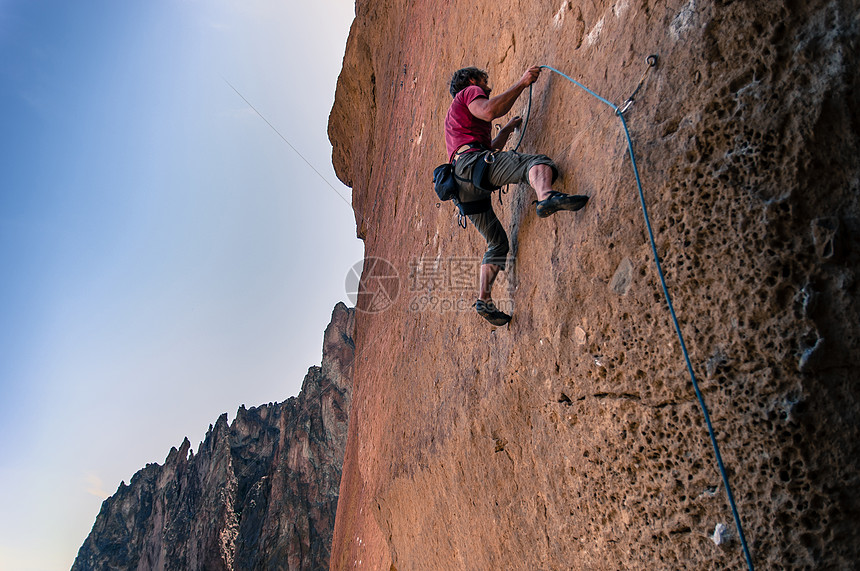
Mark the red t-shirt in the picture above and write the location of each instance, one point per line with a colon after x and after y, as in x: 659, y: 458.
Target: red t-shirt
x: 461, y: 127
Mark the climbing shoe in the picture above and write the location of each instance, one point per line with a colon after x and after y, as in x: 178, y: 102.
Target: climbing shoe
x: 559, y: 201
x: 488, y: 310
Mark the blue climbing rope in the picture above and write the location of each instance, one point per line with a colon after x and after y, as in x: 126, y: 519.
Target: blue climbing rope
x: 526, y: 122
x: 652, y: 60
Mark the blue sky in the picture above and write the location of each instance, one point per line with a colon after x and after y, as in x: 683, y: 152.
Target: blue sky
x: 165, y: 256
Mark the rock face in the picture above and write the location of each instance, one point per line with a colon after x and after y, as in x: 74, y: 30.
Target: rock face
x: 260, y: 493
x: 571, y: 439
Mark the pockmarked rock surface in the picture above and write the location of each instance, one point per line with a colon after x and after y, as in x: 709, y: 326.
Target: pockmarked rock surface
x: 260, y: 493
x: 571, y: 438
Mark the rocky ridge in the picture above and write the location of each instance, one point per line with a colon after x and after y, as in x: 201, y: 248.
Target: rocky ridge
x: 571, y: 439
x: 259, y: 493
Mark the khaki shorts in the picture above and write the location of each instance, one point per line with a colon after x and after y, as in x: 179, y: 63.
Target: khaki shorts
x: 509, y: 167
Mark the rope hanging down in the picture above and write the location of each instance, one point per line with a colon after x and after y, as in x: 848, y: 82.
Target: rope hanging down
x: 652, y: 62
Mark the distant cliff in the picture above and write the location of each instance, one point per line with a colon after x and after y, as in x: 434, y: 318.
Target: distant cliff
x: 571, y: 439
x: 260, y: 493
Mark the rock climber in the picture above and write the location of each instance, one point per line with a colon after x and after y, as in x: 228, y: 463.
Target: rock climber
x: 481, y: 167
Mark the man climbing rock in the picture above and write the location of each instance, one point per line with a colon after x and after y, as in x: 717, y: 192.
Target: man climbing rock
x: 481, y: 167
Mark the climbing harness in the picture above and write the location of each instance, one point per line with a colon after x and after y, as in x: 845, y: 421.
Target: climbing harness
x: 651, y: 62
x: 445, y: 183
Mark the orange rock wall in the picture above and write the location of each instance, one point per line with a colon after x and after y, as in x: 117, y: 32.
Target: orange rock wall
x: 571, y: 439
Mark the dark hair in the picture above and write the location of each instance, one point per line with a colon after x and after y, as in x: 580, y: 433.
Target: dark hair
x: 463, y: 78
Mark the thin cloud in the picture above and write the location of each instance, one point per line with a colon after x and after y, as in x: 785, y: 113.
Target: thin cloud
x: 95, y: 486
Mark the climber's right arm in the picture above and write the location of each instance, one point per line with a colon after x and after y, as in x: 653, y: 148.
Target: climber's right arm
x: 498, y: 106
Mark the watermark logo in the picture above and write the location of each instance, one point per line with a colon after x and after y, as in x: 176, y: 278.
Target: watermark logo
x: 444, y: 285
x: 379, y: 288
x: 443, y: 274
x: 438, y: 285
